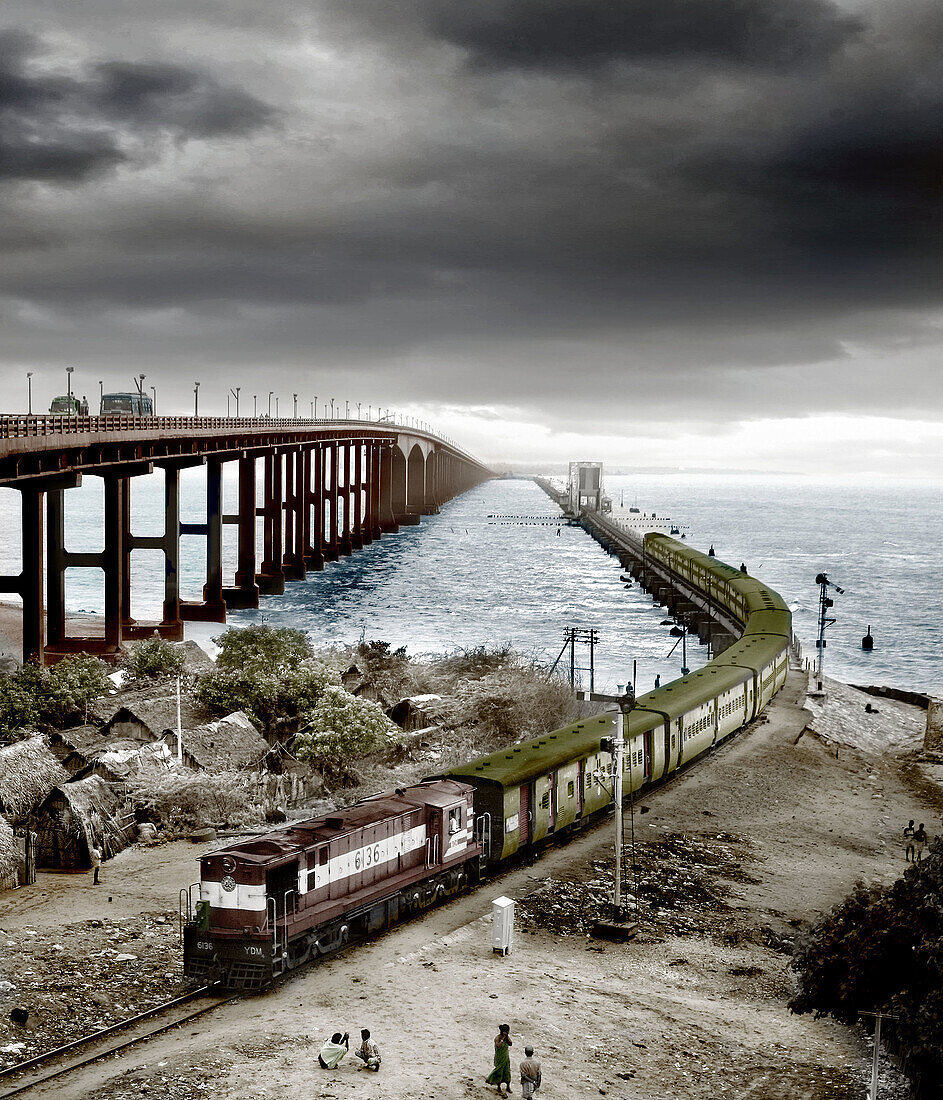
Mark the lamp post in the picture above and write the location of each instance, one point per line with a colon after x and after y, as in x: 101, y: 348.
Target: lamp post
x: 358, y: 410
x: 294, y: 398
x: 235, y: 393
x: 29, y: 393
x: 255, y: 405
x: 68, y: 377
x: 153, y: 400
x: 196, y: 398
x: 314, y: 408
x: 332, y: 408
x: 101, y: 394
x: 347, y: 410
x: 276, y: 406
x: 270, y: 392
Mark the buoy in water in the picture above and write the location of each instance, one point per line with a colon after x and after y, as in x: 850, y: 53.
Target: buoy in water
x: 867, y: 642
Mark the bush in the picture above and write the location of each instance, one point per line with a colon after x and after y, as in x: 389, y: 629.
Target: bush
x: 192, y: 800
x: 150, y: 660
x: 270, y: 674
x: 50, y: 698
x: 342, y: 727
x: 882, y: 948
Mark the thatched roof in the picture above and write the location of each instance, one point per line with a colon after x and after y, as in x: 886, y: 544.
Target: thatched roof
x: 89, y: 811
x: 196, y: 660
x: 229, y: 744
x: 28, y: 772
x: 152, y: 717
x: 160, y: 699
x: 422, y: 710
x: 358, y: 683
x: 118, y: 764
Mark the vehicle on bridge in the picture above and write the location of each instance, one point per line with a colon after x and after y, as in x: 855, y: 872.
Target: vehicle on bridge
x: 69, y: 405
x: 131, y: 404
x: 266, y: 905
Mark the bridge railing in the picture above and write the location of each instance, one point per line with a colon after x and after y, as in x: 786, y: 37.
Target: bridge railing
x: 13, y: 426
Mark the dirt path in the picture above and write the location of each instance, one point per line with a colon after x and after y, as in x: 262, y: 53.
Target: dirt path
x: 738, y: 852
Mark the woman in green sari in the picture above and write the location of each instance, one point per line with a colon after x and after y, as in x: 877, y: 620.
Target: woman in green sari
x: 501, y: 1074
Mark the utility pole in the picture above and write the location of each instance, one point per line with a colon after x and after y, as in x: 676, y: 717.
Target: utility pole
x: 825, y: 620
x: 571, y: 635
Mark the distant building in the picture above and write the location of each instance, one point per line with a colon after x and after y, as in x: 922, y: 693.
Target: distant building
x: 585, y: 488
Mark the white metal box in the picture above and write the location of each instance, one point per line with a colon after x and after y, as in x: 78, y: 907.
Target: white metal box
x: 502, y: 925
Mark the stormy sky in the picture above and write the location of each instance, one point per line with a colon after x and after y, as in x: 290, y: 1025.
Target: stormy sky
x: 699, y: 233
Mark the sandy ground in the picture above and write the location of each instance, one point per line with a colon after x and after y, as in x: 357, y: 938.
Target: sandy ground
x: 748, y: 846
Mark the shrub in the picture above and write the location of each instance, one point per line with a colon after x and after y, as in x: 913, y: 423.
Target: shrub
x: 342, y: 727
x: 270, y: 674
x: 53, y: 697
x: 882, y: 948
x: 182, y: 802
x: 150, y: 660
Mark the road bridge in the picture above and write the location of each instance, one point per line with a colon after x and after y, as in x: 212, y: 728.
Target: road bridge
x: 321, y: 488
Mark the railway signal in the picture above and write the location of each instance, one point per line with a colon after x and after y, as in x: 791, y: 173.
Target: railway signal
x: 825, y: 620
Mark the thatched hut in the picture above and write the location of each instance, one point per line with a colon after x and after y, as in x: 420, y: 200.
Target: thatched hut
x: 149, y: 719
x: 358, y: 683
x: 11, y: 857
x: 77, y: 817
x: 118, y: 765
x: 229, y: 744
x: 28, y: 772
x: 421, y: 712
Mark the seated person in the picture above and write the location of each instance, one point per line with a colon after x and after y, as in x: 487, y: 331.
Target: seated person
x: 368, y: 1052
x: 333, y: 1050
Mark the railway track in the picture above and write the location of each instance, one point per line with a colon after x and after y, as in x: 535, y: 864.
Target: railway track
x: 110, y: 1040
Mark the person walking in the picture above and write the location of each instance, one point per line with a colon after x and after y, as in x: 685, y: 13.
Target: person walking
x: 501, y: 1074
x: 920, y: 842
x: 909, y: 853
x: 95, y: 858
x: 530, y: 1073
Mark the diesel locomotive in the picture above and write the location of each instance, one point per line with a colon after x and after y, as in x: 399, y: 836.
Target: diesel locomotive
x: 270, y: 903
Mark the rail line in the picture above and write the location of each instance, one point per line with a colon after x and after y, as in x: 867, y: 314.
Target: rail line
x: 110, y: 1040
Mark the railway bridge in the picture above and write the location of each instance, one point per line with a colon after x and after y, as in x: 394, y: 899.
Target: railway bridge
x: 309, y: 492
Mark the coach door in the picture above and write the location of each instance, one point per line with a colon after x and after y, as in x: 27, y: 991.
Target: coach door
x: 434, y: 839
x: 281, y: 885
x: 552, y: 802
x: 524, y: 820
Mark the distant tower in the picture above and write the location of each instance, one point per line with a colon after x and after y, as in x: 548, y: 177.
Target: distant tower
x: 585, y: 488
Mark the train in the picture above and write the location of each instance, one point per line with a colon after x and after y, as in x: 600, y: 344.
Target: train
x: 268, y: 904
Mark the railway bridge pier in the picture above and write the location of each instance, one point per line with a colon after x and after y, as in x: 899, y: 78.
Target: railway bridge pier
x: 307, y: 493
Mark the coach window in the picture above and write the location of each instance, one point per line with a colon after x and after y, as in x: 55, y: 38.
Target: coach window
x: 455, y: 819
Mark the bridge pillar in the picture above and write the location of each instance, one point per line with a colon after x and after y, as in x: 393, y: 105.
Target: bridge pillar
x: 357, y: 534
x: 212, y: 609
x: 293, y: 565
x: 55, y: 568
x: 430, y: 505
x: 114, y: 560
x: 345, y: 543
x: 329, y: 503
x: 270, y: 578
x: 386, y: 512
x: 314, y: 553
x: 171, y: 546
x: 245, y: 591
x: 373, y: 490
x: 415, y: 485
x: 31, y: 579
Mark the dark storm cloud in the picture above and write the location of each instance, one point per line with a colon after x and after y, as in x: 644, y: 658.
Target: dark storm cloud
x: 58, y: 127
x: 566, y: 34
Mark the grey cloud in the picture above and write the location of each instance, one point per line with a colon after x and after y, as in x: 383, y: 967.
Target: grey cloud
x: 577, y: 34
x: 64, y: 128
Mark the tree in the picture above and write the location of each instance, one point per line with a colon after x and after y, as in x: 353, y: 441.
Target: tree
x: 342, y: 727
x: 53, y: 697
x: 271, y: 674
x: 882, y: 948
x: 150, y: 660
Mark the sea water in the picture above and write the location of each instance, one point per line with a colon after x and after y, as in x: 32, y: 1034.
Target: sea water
x: 467, y: 577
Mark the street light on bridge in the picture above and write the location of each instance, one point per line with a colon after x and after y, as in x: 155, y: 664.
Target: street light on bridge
x: 294, y: 398
x: 276, y: 406
x: 101, y: 394
x: 235, y: 393
x: 196, y: 398
x: 68, y: 378
x: 347, y: 410
x: 332, y: 408
x: 154, y: 400
x: 29, y: 393
x: 270, y: 392
x: 255, y: 405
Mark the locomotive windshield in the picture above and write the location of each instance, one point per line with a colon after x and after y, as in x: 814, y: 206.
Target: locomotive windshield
x: 131, y: 404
